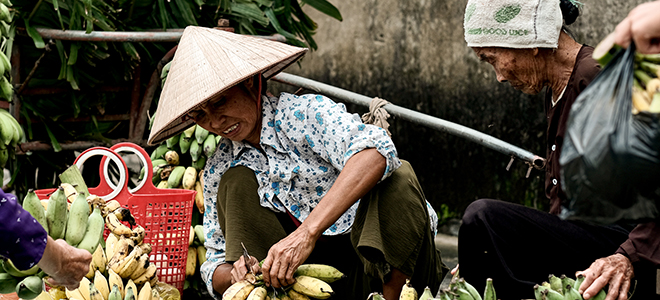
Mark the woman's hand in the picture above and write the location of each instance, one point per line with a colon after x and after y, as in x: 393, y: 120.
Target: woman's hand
x: 239, y: 270
x: 642, y: 26
x: 286, y: 256
x: 65, y: 264
x: 615, y: 270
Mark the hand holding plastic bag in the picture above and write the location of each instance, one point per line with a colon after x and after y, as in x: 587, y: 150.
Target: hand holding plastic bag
x: 610, y: 160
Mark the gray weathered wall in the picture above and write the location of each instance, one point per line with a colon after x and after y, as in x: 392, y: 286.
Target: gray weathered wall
x: 412, y: 53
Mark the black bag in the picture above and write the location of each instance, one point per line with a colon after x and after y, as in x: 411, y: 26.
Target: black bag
x: 610, y: 159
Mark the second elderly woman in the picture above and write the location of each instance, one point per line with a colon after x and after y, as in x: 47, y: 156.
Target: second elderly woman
x: 296, y: 179
x: 517, y: 246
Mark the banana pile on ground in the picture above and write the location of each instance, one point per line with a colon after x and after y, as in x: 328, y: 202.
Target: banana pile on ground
x: 6, y: 18
x: 312, y: 281
x: 80, y: 223
x: 458, y: 289
x: 11, y: 133
x: 563, y: 288
x: 189, y: 148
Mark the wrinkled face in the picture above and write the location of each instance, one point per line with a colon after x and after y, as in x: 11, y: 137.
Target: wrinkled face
x: 234, y: 114
x: 519, y: 67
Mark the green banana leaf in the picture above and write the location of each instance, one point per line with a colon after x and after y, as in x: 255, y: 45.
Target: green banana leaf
x: 325, y: 7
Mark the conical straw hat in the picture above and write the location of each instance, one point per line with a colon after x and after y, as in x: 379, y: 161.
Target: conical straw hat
x: 207, y: 62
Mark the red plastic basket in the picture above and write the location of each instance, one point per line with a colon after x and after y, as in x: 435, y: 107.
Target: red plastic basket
x: 165, y: 214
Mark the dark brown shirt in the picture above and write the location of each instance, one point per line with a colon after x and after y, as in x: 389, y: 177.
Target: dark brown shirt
x: 584, y: 71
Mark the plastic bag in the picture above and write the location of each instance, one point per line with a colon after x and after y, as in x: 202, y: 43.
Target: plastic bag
x: 610, y: 160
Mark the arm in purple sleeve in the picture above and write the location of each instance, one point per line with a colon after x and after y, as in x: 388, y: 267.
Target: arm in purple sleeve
x: 22, y: 238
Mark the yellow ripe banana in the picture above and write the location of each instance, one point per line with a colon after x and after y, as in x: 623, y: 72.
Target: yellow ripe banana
x: 146, y: 248
x: 101, y: 284
x: 70, y: 191
x: 124, y: 214
x: 297, y: 296
x: 162, y: 184
x: 138, y: 234
x: 145, y: 292
x: 408, y: 292
x: 201, y: 254
x: 640, y: 99
x: 172, y: 157
x: 94, y: 293
x: 191, y: 238
x: 189, y: 178
x: 84, y: 288
x: 44, y: 296
x: 116, y: 226
x: 127, y: 266
x: 115, y: 280
x: 313, y: 287
x: 238, y: 291
x: 191, y: 261
x: 154, y: 294
x: 143, y: 264
x: 75, y: 294
x: 199, y: 231
x: 110, y: 207
x: 326, y: 273
x: 99, y: 259
x: 258, y: 293
x: 154, y: 280
x: 148, y: 275
x: 110, y: 243
x: 199, y: 197
x: 57, y: 293
x: 130, y: 285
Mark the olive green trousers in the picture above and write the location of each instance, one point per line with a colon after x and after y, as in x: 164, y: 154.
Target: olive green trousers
x: 391, y: 230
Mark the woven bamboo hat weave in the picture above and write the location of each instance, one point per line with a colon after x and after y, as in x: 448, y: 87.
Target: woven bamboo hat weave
x: 207, y: 62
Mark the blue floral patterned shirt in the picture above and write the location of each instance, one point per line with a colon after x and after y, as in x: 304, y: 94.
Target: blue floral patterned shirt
x: 306, y: 142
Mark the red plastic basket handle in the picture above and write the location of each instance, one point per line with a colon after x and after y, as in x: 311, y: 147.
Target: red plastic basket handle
x: 145, y: 186
x: 144, y: 159
x: 103, y: 187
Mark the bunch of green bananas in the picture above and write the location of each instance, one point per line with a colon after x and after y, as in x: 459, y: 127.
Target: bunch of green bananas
x: 7, y: 32
x: 563, y: 287
x: 191, y: 147
x: 458, y: 289
x: 72, y: 223
x: 312, y: 281
x: 11, y: 133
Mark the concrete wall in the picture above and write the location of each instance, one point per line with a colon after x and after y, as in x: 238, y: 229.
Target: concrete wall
x: 412, y: 53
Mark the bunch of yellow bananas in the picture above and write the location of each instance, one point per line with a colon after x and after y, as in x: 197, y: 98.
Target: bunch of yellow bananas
x: 191, y: 147
x: 563, y: 287
x: 196, y: 250
x: 312, y: 280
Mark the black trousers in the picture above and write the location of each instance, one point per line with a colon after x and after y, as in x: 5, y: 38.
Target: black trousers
x: 519, y: 247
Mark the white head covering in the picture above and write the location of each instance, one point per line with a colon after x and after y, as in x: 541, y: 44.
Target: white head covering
x: 513, y: 23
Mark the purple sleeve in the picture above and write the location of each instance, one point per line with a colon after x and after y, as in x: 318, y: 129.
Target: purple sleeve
x: 22, y: 238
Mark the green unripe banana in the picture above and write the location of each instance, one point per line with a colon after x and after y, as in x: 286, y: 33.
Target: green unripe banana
x: 77, y: 223
x: 184, y: 143
x: 171, y: 142
x: 159, y: 152
x: 555, y: 283
x: 11, y: 269
x: 56, y: 215
x: 201, y: 134
x: 32, y: 204
x: 195, y: 150
x: 209, y: 145
x: 94, y: 232
x: 199, y: 163
x: 174, y: 180
x: 565, y: 280
x: 489, y: 293
x: 7, y: 283
x: 30, y: 287
x: 571, y: 294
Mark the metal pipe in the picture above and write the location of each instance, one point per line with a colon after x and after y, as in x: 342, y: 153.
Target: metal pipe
x: 416, y: 117
x: 122, y: 36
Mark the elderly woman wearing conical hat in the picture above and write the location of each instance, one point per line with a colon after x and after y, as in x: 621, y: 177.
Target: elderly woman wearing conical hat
x: 527, y: 45
x: 296, y: 179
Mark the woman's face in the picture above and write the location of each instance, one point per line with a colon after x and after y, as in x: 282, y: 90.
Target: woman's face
x: 520, y: 67
x: 234, y: 114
